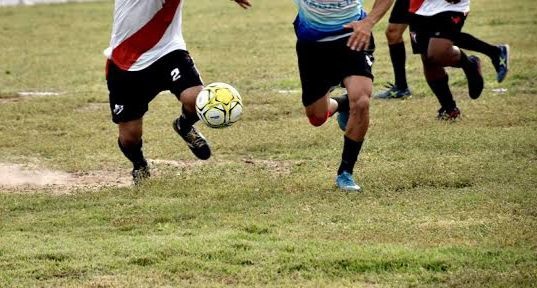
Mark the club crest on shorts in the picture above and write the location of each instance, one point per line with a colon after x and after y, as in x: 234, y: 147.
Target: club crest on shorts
x: 369, y: 60
x: 118, y: 109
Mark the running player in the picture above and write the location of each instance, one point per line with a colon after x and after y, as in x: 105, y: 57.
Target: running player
x: 398, y: 23
x: 147, y: 55
x: 435, y: 26
x: 335, y: 47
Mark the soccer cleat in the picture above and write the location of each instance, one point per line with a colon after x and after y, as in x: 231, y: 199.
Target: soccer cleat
x: 452, y: 115
x: 140, y: 175
x: 342, y: 118
x: 345, y: 182
x: 475, y: 78
x: 502, y: 65
x: 393, y: 92
x: 195, y: 141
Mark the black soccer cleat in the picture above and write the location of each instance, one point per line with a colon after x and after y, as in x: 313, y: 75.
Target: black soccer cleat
x: 195, y: 141
x: 475, y: 78
x: 450, y: 115
x: 141, y: 174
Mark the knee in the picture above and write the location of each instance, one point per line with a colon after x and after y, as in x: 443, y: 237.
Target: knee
x: 393, y: 35
x: 317, y: 119
x: 130, y: 135
x: 360, y: 103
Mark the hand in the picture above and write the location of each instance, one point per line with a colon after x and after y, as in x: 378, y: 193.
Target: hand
x: 359, y: 40
x: 243, y: 3
x: 453, y: 1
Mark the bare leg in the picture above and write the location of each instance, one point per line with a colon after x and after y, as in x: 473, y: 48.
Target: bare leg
x: 319, y: 111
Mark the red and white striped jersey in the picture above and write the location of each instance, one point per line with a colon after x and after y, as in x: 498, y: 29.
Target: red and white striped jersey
x: 433, y: 7
x: 144, y: 31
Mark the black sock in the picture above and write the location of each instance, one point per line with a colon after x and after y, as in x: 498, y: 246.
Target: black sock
x: 342, y: 102
x: 398, y: 57
x: 134, y: 154
x: 351, y: 149
x: 469, y: 42
x: 187, y: 120
x: 441, y: 90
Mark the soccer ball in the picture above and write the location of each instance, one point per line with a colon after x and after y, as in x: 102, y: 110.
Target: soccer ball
x: 219, y: 105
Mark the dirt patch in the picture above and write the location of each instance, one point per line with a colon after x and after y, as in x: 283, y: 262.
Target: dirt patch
x: 24, y: 178
x: 28, y: 178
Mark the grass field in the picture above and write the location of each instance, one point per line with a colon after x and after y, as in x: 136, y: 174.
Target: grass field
x: 444, y: 204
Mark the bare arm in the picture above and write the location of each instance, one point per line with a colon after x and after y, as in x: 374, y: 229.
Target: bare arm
x: 243, y: 3
x: 359, y: 39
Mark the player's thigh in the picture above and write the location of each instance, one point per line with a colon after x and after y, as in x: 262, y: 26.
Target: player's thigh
x: 359, y: 90
x: 400, y: 13
x: 439, y: 49
x: 318, y: 74
x: 129, y: 93
x: 180, y: 74
x: 319, y: 108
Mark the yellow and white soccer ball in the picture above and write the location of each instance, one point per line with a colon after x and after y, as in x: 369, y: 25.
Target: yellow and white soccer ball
x: 219, y: 105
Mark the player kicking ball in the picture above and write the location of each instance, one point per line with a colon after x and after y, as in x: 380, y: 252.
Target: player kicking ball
x: 335, y: 47
x: 148, y: 55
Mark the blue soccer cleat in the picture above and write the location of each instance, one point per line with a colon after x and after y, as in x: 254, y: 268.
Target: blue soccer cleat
x: 393, y: 92
x: 342, y: 118
x: 345, y: 182
x: 502, y: 66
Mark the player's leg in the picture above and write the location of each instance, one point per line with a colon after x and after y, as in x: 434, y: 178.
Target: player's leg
x: 397, y: 24
x: 315, y: 66
x: 438, y: 81
x: 320, y: 110
x: 444, y: 29
x: 443, y: 53
x: 396, y: 47
x: 129, y: 97
x: 186, y: 84
x: 498, y: 54
x: 359, y: 89
x: 130, y: 143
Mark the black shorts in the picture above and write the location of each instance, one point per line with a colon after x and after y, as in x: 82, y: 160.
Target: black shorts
x: 131, y: 91
x: 400, y: 14
x: 446, y: 25
x: 323, y: 65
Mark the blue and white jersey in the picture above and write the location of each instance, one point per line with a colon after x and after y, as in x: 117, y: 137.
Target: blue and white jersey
x: 323, y: 20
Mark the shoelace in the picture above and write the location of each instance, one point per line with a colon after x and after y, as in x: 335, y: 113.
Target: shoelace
x: 194, y: 138
x: 389, y: 85
x: 347, y: 181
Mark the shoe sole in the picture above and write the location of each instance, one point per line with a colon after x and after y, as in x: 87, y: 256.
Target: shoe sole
x: 349, y: 189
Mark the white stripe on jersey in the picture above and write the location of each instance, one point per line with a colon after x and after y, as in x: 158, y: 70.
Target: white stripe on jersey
x: 433, y: 7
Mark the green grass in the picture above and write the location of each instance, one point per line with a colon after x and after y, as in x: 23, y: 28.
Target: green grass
x: 445, y: 204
